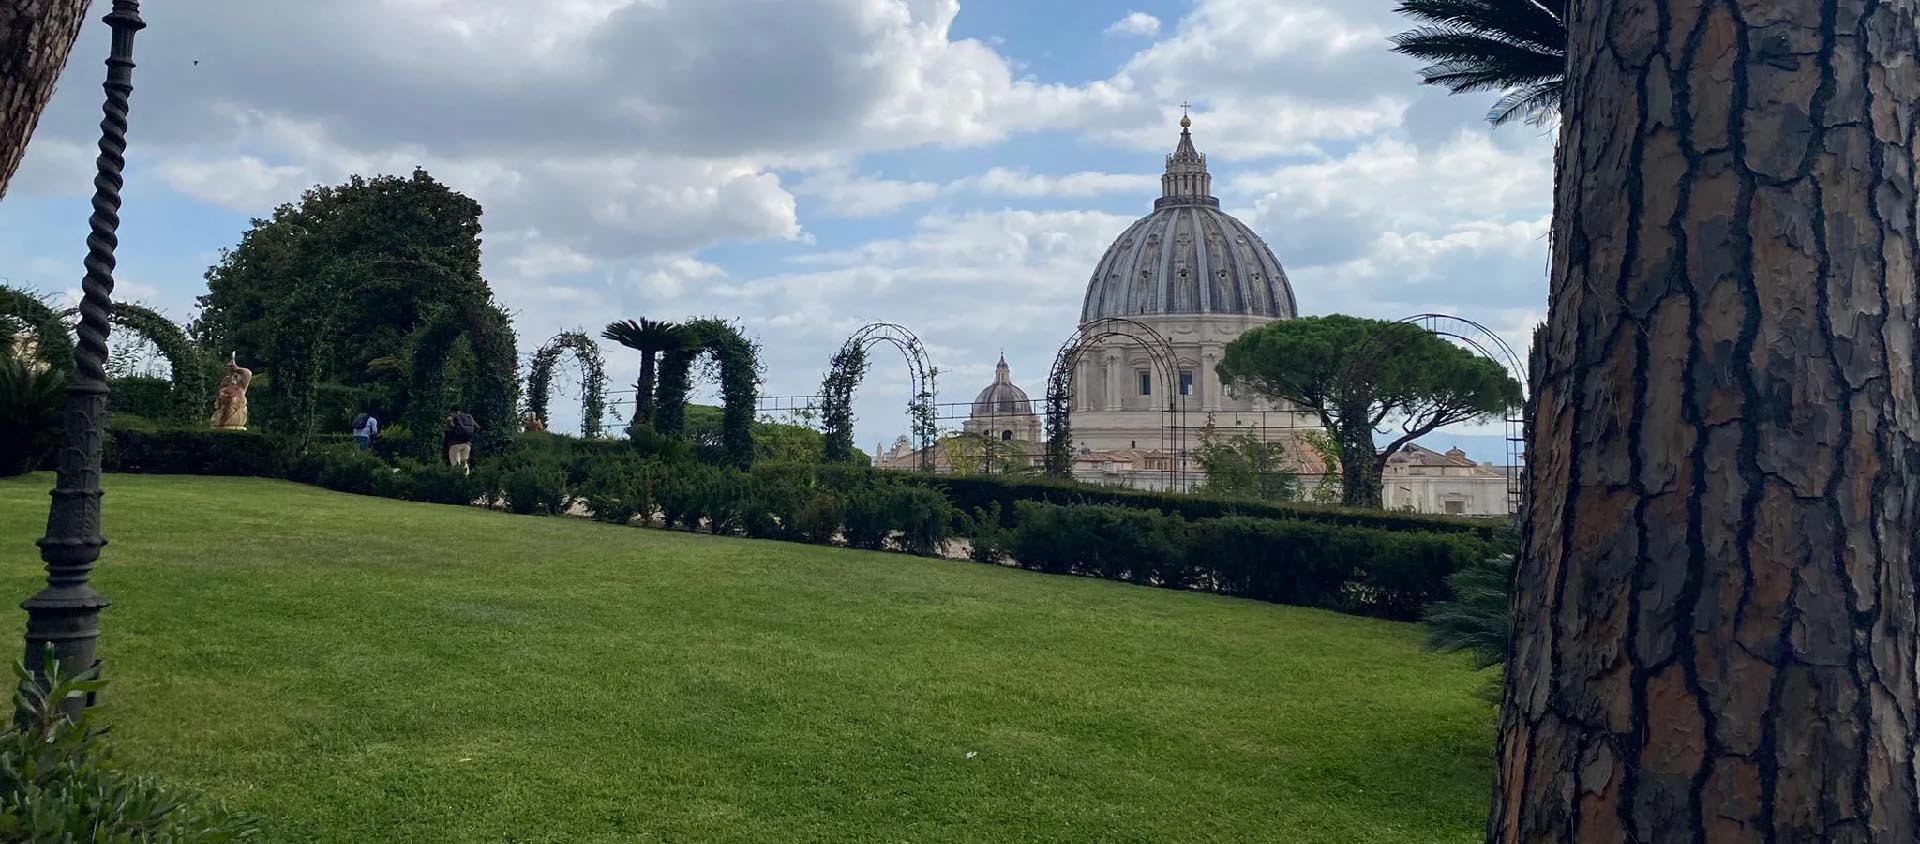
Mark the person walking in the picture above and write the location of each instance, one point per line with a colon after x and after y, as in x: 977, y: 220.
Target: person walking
x: 461, y: 429
x: 365, y: 428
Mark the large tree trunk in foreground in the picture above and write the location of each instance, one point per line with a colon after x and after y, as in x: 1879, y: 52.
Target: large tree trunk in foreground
x: 1715, y: 610
x: 35, y: 38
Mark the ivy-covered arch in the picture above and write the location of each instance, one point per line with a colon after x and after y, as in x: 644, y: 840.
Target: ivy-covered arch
x: 183, y: 356
x: 739, y: 368
x: 491, y: 386
x: 849, y: 365
x: 593, y: 379
x: 52, y: 344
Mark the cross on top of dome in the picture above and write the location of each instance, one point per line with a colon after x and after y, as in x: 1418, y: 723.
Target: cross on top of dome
x: 1186, y: 181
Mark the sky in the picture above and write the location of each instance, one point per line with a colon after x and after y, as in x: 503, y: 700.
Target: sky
x: 809, y: 166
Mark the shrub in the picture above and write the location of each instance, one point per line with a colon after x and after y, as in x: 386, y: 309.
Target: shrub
x: 1479, y: 616
x: 438, y: 483
x: 975, y: 492
x: 987, y: 539
x: 867, y: 516
x: 197, y: 451
x: 681, y: 490
x: 772, y: 506
x: 1117, y: 543
x: 141, y: 395
x: 537, y: 487
x: 923, y: 518
x: 346, y: 469
x: 818, y: 521
x: 58, y: 781
x: 1404, y: 572
x: 724, y: 495
x: 1274, y: 560
x: 618, y: 488
x: 30, y: 402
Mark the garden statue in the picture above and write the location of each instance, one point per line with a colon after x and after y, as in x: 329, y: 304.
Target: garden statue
x: 534, y: 423
x: 230, y: 405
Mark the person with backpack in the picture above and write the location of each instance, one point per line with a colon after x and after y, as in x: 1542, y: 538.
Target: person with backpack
x: 365, y: 428
x: 461, y: 429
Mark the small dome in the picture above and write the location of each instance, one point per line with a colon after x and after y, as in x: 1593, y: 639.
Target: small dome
x: 1002, y: 397
x: 1188, y: 256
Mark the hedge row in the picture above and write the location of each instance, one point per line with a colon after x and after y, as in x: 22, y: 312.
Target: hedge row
x: 1366, y: 571
x: 1389, y: 572
x: 979, y: 492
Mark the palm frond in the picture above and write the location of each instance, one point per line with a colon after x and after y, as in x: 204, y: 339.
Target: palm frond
x: 1515, y: 47
x: 1536, y: 104
x: 645, y: 335
x: 1519, y: 21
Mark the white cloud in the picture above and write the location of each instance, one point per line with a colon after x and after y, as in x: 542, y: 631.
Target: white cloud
x: 1135, y: 23
x: 845, y: 194
x: 1001, y: 181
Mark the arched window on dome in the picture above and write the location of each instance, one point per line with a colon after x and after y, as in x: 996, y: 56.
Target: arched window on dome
x: 1006, y: 436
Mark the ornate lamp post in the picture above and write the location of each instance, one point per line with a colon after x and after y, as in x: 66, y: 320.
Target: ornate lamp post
x: 66, y: 614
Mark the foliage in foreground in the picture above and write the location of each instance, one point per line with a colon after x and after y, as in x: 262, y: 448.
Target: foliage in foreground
x: 1478, y: 618
x: 1515, y: 47
x: 58, y: 782
x: 30, y: 401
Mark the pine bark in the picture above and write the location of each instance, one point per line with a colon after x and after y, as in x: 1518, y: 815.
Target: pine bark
x: 35, y: 38
x: 1715, y: 609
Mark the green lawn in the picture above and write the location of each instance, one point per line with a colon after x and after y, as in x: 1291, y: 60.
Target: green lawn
x: 363, y: 670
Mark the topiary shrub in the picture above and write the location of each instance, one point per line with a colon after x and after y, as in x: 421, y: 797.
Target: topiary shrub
x: 438, y: 483
x: 345, y: 469
x: 1276, y: 560
x: 196, y: 451
x: 141, y: 395
x: 58, y: 782
x: 987, y: 539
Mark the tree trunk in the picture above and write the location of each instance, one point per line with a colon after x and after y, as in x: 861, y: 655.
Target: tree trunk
x: 1714, y: 613
x: 35, y: 38
x: 1359, y: 463
x: 643, y: 392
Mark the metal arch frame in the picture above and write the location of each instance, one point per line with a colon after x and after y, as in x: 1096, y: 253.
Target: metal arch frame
x: 1491, y: 346
x: 585, y: 351
x: 922, y: 383
x: 1166, y: 364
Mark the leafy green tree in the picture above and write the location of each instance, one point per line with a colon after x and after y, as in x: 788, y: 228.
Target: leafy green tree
x: 1243, y: 465
x: 650, y: 339
x: 333, y: 289
x: 1515, y: 47
x: 1361, y: 374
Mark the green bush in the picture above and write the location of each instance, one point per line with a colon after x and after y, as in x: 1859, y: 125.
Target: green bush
x: 618, y: 488
x: 345, y: 468
x: 975, y: 492
x: 1274, y: 560
x: 923, y: 518
x: 58, y: 782
x: 30, y: 402
x: 988, y: 539
x: 438, y: 483
x: 818, y: 521
x: 777, y: 493
x: 197, y: 451
x: 537, y: 487
x: 142, y: 395
x: 1402, y: 573
x: 1479, y: 617
x: 867, y: 516
x: 1117, y: 543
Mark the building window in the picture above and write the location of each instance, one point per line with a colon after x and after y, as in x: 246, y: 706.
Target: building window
x: 1006, y: 436
x: 1456, y: 507
x: 1146, y: 382
x: 1186, y: 382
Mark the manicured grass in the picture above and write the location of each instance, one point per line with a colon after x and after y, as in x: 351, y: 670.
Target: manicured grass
x: 364, y: 670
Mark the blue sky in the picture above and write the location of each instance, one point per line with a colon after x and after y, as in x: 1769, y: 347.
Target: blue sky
x: 809, y: 165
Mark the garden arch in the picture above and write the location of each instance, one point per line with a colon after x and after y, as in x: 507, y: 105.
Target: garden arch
x: 849, y: 366
x: 189, y: 374
x: 1160, y: 355
x: 494, y: 381
x: 52, y: 344
x: 1483, y: 341
x: 739, y: 365
x: 593, y: 379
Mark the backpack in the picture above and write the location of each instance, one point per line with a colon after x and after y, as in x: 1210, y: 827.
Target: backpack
x: 464, y: 422
x: 360, y: 421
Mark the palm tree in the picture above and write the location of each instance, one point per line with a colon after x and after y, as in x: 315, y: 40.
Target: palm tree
x: 1516, y: 47
x: 649, y: 338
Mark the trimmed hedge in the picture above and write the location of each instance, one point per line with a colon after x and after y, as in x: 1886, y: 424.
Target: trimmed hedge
x: 1366, y: 571
x: 1371, y: 564
x: 977, y: 492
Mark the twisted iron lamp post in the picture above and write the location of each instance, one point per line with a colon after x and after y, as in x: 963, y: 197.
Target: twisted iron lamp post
x: 66, y: 614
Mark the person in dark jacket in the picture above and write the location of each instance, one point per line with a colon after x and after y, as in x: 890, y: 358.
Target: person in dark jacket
x: 458, y: 439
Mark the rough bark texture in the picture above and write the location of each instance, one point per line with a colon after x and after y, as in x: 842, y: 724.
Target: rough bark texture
x: 1715, y: 613
x: 35, y: 38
